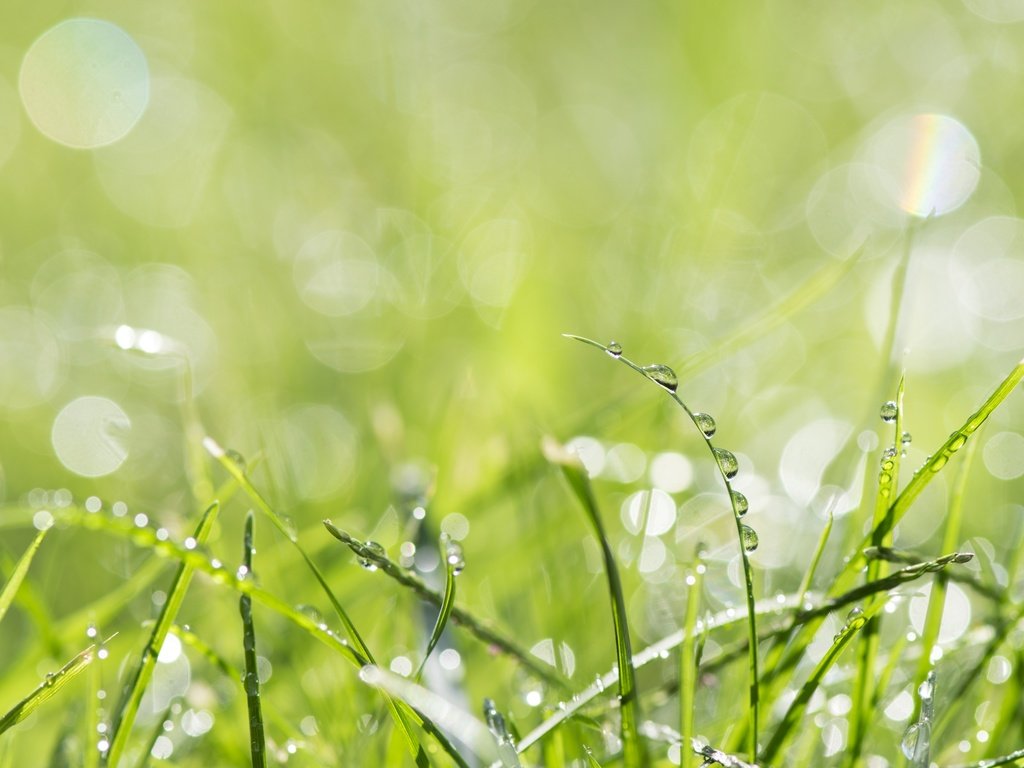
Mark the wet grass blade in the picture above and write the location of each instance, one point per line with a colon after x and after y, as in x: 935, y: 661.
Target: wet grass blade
x: 18, y: 574
x: 725, y: 463
x: 460, y: 617
x: 995, y: 762
x: 633, y: 752
x: 452, y: 566
x: 47, y: 689
x: 796, y: 710
x: 257, y: 740
x: 135, y: 687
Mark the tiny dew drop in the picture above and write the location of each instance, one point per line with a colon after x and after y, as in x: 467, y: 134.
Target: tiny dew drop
x: 453, y: 554
x: 888, y: 454
x: 236, y: 458
x: 727, y: 461
x: 614, y: 349
x: 663, y: 375
x: 739, y: 503
x: 749, y: 538
x: 705, y: 423
x: 905, y: 440
x: 374, y: 548
x: 888, y: 412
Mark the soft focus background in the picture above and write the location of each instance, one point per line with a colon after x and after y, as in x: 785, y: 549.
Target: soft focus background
x: 365, y: 226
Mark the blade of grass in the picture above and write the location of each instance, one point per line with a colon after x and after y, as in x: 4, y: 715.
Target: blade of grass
x: 155, y: 732
x: 507, y: 755
x: 667, y: 380
x: 688, y: 663
x: 995, y: 762
x: 452, y: 561
x: 18, y: 574
x: 861, y: 714
x: 633, y: 752
x: 854, y: 623
x: 135, y: 686
x: 257, y: 740
x: 50, y: 686
x: 460, y: 617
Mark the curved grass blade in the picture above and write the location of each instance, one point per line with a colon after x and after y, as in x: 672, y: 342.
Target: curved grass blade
x: 995, y: 762
x: 257, y: 740
x: 135, y: 687
x: 452, y: 566
x: 725, y: 462
x: 633, y: 753
x: 18, y: 574
x: 917, y: 741
x: 154, y: 734
x: 507, y: 755
x: 50, y: 686
x: 459, y: 617
x: 857, y: 620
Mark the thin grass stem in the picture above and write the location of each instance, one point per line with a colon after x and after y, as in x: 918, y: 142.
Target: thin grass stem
x: 50, y: 686
x: 257, y: 739
x: 18, y: 574
x: 688, y: 663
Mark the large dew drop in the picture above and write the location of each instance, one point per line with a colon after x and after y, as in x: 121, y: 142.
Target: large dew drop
x: 727, y: 461
x: 888, y: 412
x: 739, y: 503
x: 663, y: 375
x: 376, y: 549
x: 749, y: 538
x: 614, y: 349
x: 705, y: 423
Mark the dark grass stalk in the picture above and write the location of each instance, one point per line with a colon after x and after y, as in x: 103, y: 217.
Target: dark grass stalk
x: 257, y: 739
x: 995, y: 762
x: 633, y: 752
x: 864, y: 685
x: 452, y: 566
x: 135, y: 686
x: 459, y: 616
x: 688, y: 662
x: 798, y: 708
x: 13, y: 583
x: 991, y: 592
x: 51, y: 685
x: 669, y: 385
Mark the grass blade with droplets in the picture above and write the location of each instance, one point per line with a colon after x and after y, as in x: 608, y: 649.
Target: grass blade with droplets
x: 725, y: 462
x: 135, y: 687
x: 459, y: 617
x: 257, y: 740
x: 48, y: 688
x: 633, y: 753
x: 18, y: 574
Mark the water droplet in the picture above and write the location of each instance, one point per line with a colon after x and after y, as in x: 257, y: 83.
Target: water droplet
x: 888, y: 412
x: 91, y: 632
x: 956, y: 442
x: 749, y: 537
x: 916, y: 742
x: 727, y: 462
x: 663, y: 375
x: 705, y: 423
x: 376, y: 549
x: 614, y: 348
x: 905, y: 440
x: 856, y: 613
x: 236, y: 458
x: 739, y: 503
x: 453, y: 556
x: 291, y: 530
x: 599, y: 683
x: 887, y: 455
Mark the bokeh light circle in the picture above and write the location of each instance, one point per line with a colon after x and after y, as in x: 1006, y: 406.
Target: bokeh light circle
x: 84, y: 83
x: 89, y: 436
x: 926, y: 164
x: 31, y: 363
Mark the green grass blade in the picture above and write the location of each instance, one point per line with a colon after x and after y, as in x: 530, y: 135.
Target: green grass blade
x: 135, y: 687
x: 155, y: 732
x: 633, y: 752
x: 796, y: 710
x: 665, y: 378
x: 48, y: 688
x: 459, y: 617
x: 591, y: 760
x: 18, y: 574
x: 935, y: 463
x: 688, y: 663
x: 995, y: 762
x: 257, y: 740
x: 507, y: 755
x: 452, y: 567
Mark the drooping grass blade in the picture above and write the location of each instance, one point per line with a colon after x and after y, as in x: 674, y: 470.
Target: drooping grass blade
x: 633, y: 752
x: 18, y: 574
x: 727, y: 466
x: 251, y: 679
x: 135, y: 686
x: 48, y: 688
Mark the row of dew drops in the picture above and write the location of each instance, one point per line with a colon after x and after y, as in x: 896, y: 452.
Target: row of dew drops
x: 727, y: 463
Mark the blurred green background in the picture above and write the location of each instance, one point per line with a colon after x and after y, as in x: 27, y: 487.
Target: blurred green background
x: 366, y: 225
